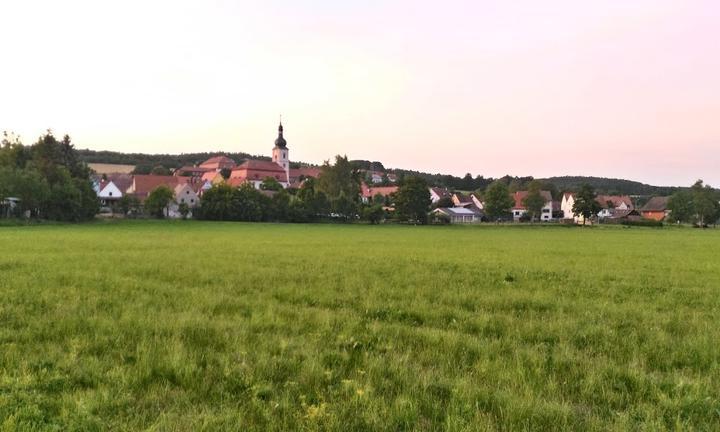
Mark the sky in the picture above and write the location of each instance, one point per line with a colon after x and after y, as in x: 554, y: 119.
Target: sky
x: 617, y: 88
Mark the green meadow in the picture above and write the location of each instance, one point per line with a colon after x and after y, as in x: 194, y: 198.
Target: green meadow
x: 189, y: 326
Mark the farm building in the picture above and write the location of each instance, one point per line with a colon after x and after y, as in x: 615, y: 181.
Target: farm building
x: 655, y: 209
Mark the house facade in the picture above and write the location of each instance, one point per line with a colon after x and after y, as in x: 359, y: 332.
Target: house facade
x: 656, y: 209
x: 519, y: 210
x: 458, y: 215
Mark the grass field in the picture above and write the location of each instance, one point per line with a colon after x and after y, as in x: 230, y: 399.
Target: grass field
x: 213, y: 326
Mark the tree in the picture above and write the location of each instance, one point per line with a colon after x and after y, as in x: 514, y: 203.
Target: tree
x: 184, y: 210
x: 270, y: 184
x: 498, y: 201
x: 444, y: 202
x: 585, y: 203
x: 340, y: 178
x: 160, y: 170
x: 705, y: 203
x: 373, y: 214
x: 412, y: 200
x: 129, y: 205
x: 344, y: 206
x: 534, y: 201
x: 313, y: 201
x: 158, y: 200
x: 681, y: 207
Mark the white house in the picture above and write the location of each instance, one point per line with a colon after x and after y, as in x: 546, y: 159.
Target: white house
x: 109, y: 193
x: 566, y: 205
x: 519, y: 209
x: 477, y: 201
x: 609, y: 205
x: 436, y: 194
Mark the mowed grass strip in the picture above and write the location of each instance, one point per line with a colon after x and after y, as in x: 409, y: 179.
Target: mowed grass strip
x: 230, y: 326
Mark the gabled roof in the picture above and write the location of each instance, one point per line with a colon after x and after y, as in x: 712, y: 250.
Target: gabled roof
x: 462, y: 198
x: 218, y: 162
x: 520, y: 196
x: 622, y: 214
x: 441, y: 192
x: 259, y: 165
x: 122, y: 181
x: 656, y: 204
x: 369, y: 192
x: 616, y: 200
x: 144, y: 184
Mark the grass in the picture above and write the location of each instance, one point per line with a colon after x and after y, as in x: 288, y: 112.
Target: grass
x: 214, y: 326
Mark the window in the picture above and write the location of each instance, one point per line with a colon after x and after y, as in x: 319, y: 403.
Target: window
x: 182, y: 200
x: 192, y: 201
x: 187, y: 192
x: 110, y: 193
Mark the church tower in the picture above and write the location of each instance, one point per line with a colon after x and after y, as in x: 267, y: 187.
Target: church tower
x: 280, y: 153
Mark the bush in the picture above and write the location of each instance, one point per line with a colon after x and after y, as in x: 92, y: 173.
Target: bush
x: 643, y: 223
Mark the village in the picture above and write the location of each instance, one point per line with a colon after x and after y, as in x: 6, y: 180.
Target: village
x: 189, y: 183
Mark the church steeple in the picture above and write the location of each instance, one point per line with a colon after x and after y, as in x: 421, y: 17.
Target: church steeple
x: 280, y: 141
x: 280, y: 153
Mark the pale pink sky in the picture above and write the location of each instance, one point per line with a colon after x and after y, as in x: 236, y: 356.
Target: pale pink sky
x: 625, y: 89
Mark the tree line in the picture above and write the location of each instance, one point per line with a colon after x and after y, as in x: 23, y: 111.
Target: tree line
x: 45, y: 180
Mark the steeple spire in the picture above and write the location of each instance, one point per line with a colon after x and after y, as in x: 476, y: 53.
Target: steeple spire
x: 280, y: 141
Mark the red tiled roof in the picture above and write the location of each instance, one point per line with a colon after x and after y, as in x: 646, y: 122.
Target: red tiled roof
x: 122, y: 181
x: 369, y: 192
x: 258, y: 170
x: 254, y: 164
x: 144, y: 184
x: 218, y: 162
x: 519, y: 197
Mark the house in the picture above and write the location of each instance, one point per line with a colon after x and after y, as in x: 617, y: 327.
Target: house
x: 479, y: 203
x: 610, y: 203
x: 566, y: 205
x: 519, y: 209
x: 108, y: 193
x: 297, y: 175
x: 142, y: 185
x: 459, y: 214
x: 655, y: 209
x: 367, y: 194
x: 376, y: 177
x: 218, y: 163
x: 436, y: 194
x: 619, y: 216
x: 461, y: 200
x: 186, y: 194
x: 213, y: 177
x: 254, y: 171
